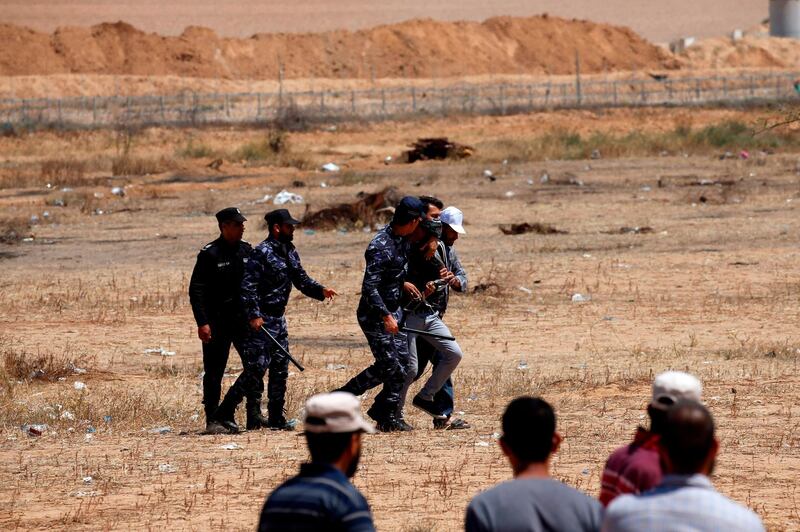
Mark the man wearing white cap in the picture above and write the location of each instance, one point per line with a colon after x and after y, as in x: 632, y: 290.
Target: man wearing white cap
x: 436, y: 396
x: 636, y: 468
x: 321, y: 497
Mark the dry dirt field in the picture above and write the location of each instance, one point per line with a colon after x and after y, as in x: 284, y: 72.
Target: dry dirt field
x: 712, y: 287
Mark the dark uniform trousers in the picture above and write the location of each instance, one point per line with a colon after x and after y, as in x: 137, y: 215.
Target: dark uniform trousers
x: 215, y: 358
x: 259, y: 355
x: 390, y: 366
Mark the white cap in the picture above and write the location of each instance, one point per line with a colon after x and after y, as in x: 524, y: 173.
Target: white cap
x: 335, y: 412
x: 454, y: 218
x: 672, y: 386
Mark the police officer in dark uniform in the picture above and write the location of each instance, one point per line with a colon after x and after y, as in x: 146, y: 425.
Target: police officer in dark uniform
x: 214, y: 294
x: 273, y: 267
x: 379, y: 315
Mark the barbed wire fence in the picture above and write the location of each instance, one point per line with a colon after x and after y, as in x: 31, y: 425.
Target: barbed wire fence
x: 299, y: 109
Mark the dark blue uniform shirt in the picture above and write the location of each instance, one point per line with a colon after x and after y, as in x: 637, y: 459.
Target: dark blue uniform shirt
x: 320, y: 498
x: 387, y: 264
x: 268, y: 278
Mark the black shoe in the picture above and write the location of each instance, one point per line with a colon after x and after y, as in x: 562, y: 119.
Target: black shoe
x: 255, y: 419
x: 406, y: 427
x: 282, y: 424
x: 392, y: 424
x: 426, y: 406
x: 444, y: 423
x: 215, y: 427
x: 230, y: 425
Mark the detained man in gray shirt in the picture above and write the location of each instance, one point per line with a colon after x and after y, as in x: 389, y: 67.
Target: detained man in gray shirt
x: 533, y: 501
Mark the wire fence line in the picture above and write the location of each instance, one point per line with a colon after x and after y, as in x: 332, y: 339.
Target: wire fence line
x: 301, y: 108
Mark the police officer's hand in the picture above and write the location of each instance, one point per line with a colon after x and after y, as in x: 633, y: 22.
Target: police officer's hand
x: 449, y: 277
x: 390, y: 324
x: 430, y: 248
x: 429, y: 288
x: 412, y: 291
x: 329, y: 293
x: 204, y: 333
x: 256, y: 323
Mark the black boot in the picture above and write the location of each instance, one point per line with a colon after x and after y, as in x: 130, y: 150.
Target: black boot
x: 255, y: 419
x: 225, y: 416
x: 277, y: 419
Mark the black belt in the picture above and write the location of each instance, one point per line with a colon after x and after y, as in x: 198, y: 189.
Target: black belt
x: 275, y: 311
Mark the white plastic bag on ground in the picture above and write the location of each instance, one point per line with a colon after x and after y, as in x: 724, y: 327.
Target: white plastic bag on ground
x: 284, y: 196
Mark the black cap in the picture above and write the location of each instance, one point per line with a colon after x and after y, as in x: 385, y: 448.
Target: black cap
x: 231, y: 214
x: 432, y: 227
x: 280, y: 216
x: 407, y: 210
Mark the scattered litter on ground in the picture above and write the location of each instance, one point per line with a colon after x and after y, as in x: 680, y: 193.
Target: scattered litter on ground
x: 78, y: 385
x: 159, y: 351
x: 90, y: 430
x: 366, y: 211
x: 525, y: 289
x: 596, y: 154
x: 167, y: 468
x: 581, y: 298
x: 335, y: 367
x: 323, y: 185
x: 585, y: 472
x: 387, y: 160
x: 487, y: 173
x: 216, y: 164
x: 284, y: 196
x: 82, y: 494
x: 69, y: 416
x: 160, y: 430
x: 510, y: 194
x: 88, y: 437
x: 485, y: 287
x: 330, y: 167
x: 34, y: 219
x: 496, y: 435
x: 472, y: 397
x: 266, y: 199
x: 232, y: 447
x: 108, y: 419
x: 609, y: 318
x: 78, y: 371
x: 118, y: 191
x: 538, y: 228
x: 523, y: 365
x: 87, y: 480
x: 545, y: 178
x: 309, y: 232
x: 481, y: 444
x: 34, y: 429
x: 436, y: 148
x: 630, y: 230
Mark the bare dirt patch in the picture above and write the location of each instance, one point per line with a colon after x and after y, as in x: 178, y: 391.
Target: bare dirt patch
x: 713, y: 289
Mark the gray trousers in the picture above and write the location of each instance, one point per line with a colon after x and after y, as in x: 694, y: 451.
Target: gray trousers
x: 449, y: 351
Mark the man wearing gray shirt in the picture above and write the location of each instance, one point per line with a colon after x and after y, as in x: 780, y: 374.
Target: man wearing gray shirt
x: 533, y: 501
x: 685, y: 500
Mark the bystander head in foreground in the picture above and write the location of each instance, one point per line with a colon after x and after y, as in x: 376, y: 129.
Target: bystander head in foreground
x: 533, y: 501
x: 685, y: 499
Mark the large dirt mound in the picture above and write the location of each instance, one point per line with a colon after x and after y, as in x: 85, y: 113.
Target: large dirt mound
x: 756, y: 49
x: 417, y: 49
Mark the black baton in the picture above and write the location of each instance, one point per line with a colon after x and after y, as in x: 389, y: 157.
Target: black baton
x: 426, y: 333
x: 285, y: 352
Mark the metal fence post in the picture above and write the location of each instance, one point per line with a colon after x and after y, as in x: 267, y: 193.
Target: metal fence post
x: 414, y: 99
x: 322, y: 102
x: 383, y: 101
x: 258, y: 106
x: 614, y: 89
x: 353, y: 102
x: 94, y: 111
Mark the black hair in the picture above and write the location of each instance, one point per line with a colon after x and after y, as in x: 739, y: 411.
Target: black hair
x: 431, y: 200
x: 528, y: 427
x: 327, y: 447
x: 688, y: 436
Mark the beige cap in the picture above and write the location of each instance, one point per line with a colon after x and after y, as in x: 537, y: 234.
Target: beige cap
x: 335, y: 412
x: 672, y: 386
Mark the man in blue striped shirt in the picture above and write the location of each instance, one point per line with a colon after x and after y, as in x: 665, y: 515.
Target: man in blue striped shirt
x: 321, y: 497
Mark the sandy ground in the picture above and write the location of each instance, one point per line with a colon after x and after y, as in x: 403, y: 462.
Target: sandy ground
x: 656, y: 21
x: 713, y: 289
